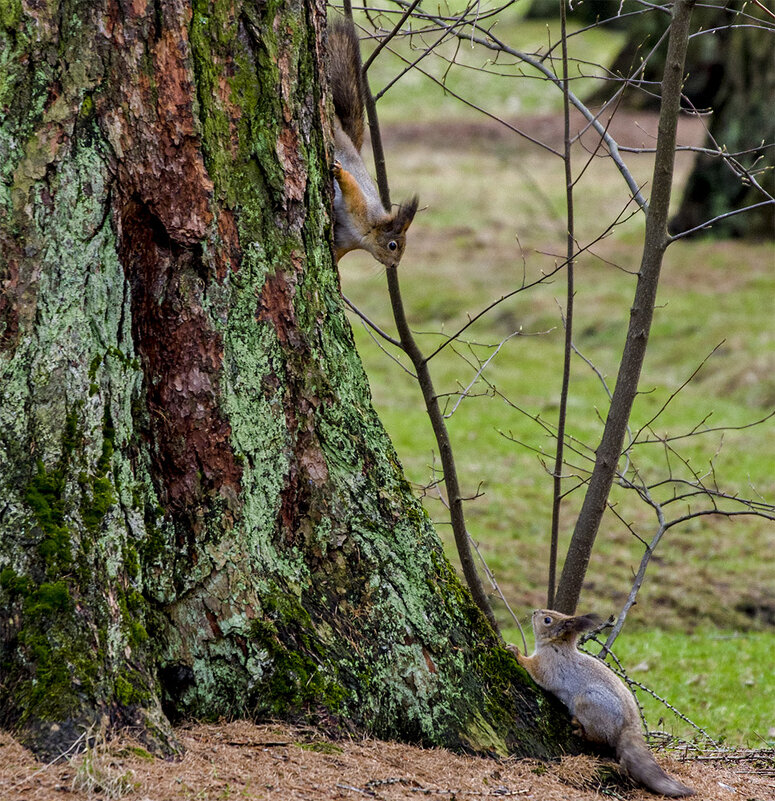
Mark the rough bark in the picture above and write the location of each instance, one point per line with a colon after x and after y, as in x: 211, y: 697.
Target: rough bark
x: 201, y: 514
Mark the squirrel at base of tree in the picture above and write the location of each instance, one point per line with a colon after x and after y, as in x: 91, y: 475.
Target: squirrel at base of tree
x: 602, y: 708
x: 360, y: 218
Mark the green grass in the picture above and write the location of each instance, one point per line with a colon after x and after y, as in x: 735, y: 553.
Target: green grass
x: 495, y: 81
x: 493, y: 217
x: 721, y: 679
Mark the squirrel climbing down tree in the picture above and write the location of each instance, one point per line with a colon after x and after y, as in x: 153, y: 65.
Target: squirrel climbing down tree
x: 603, y: 709
x: 361, y: 220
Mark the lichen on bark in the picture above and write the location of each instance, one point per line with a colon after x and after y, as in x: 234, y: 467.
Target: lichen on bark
x: 204, y: 515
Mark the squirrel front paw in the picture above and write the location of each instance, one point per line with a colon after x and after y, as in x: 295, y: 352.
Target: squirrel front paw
x: 337, y: 169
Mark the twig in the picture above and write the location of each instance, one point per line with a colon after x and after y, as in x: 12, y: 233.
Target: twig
x: 479, y: 372
x: 410, y: 347
x: 569, y: 274
x: 677, y: 391
x: 709, y: 223
x: 53, y: 762
x: 383, y: 42
x: 374, y: 327
x: 641, y: 316
x: 491, y: 577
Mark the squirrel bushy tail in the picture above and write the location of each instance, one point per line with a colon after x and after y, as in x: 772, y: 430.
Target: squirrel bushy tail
x: 346, y: 79
x: 636, y: 759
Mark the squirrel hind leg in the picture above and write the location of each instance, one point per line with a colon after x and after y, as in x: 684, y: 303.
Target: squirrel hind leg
x: 577, y: 728
x: 599, y: 716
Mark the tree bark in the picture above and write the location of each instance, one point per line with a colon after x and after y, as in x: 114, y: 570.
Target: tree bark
x: 201, y: 514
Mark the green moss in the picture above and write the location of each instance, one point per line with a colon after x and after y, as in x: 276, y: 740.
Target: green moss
x: 87, y: 107
x: 133, y: 611
x: 10, y: 14
x: 135, y: 750
x: 95, y: 363
x: 14, y: 584
x: 47, y: 599
x: 130, y: 688
x: 58, y: 663
x: 451, y: 591
x: 125, y: 360
x: 131, y: 562
x: 98, y: 495
x: 252, y: 178
x: 298, y: 677
x: 155, y: 544
x: 44, y: 496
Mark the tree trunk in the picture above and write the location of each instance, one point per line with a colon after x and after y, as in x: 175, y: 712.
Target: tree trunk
x: 730, y: 72
x: 201, y: 514
x: 742, y: 121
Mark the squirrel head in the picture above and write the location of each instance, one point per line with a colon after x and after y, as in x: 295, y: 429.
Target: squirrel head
x: 550, y: 626
x: 388, y: 237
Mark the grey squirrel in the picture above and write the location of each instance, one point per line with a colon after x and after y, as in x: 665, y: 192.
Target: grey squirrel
x: 603, y: 709
x: 360, y: 218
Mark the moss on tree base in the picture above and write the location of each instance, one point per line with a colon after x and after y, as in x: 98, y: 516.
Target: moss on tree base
x: 203, y: 515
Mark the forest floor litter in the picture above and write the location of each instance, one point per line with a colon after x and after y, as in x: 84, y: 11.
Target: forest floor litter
x: 241, y: 760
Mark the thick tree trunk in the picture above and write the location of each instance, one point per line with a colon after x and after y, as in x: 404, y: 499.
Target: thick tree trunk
x: 743, y: 122
x: 200, y: 513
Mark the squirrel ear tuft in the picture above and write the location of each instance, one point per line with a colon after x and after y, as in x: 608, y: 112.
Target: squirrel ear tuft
x: 576, y: 625
x: 405, y: 214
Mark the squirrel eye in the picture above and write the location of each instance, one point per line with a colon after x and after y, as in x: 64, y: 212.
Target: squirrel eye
x: 392, y: 245
x: 547, y: 620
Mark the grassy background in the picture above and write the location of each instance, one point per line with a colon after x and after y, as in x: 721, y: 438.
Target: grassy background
x: 703, y: 632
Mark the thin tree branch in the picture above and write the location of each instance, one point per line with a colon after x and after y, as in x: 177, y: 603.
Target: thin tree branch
x: 410, y: 347
x: 479, y: 372
x: 709, y: 223
x: 641, y: 315
x: 567, y: 351
x: 374, y: 327
x: 677, y: 391
x: 446, y: 455
x: 384, y: 41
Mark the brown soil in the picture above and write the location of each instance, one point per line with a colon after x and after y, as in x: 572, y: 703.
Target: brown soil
x: 245, y: 761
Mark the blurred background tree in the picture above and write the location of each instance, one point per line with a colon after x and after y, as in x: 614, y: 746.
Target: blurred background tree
x: 730, y: 76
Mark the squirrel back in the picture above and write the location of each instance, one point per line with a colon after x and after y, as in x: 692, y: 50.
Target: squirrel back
x: 347, y: 79
x: 603, y: 709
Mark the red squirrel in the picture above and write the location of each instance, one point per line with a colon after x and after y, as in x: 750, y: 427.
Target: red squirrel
x: 603, y: 709
x: 360, y: 218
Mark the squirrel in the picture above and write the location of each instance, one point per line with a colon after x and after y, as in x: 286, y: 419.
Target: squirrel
x: 360, y: 218
x: 602, y: 708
